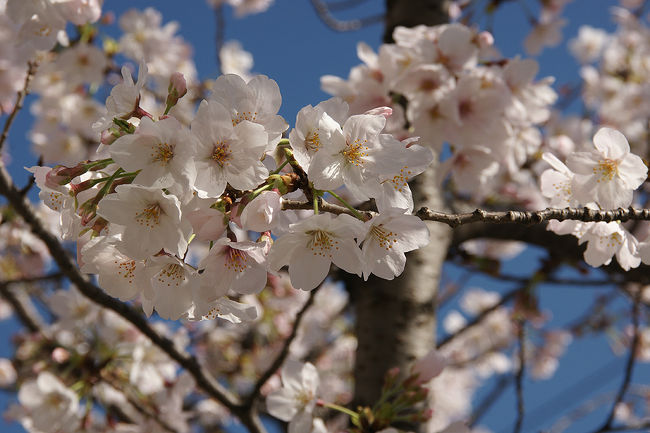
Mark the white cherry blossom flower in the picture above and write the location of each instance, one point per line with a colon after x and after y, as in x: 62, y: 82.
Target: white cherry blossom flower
x: 160, y: 150
x: 608, y: 174
x: 312, y: 244
x: 226, y: 152
x: 171, y: 287
x: 296, y: 400
x: 124, y: 98
x: 354, y: 156
x: 257, y: 101
x: 604, y: 240
x: 152, y: 221
x: 556, y: 183
x: 262, y: 213
x: 240, y: 266
x: 224, y: 308
x: 314, y: 129
x: 50, y: 404
x: 119, y: 275
x: 388, y: 236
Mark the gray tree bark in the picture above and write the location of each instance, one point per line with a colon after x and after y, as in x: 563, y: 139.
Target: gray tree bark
x: 395, y: 320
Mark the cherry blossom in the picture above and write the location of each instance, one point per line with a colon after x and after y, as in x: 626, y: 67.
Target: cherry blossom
x: 295, y: 401
x: 388, y: 236
x: 152, y: 221
x: 226, y: 152
x: 609, y: 173
x: 312, y: 244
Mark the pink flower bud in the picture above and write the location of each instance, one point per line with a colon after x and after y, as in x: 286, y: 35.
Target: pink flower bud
x: 485, y: 39
x: 177, y: 84
x: 429, y: 366
x: 60, y: 355
x: 108, y: 137
x: 176, y: 90
x: 381, y: 111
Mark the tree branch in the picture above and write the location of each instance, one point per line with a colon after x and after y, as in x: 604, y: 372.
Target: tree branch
x: 325, y: 15
x: 519, y: 378
x: 203, y: 380
x: 20, y: 99
x: 534, y: 217
x: 629, y: 366
x: 478, y: 319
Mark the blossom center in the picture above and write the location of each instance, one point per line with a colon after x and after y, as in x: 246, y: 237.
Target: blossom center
x: 312, y: 141
x: 162, y: 153
x: 244, y: 115
x: 150, y: 216
x: 221, y: 153
x: 355, y: 152
x: 606, y: 169
x: 400, y: 181
x: 385, y: 238
x: 321, y: 243
x: 172, y: 274
x: 126, y: 269
x: 235, y: 260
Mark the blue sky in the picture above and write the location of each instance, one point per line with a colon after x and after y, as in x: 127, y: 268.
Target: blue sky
x: 292, y: 46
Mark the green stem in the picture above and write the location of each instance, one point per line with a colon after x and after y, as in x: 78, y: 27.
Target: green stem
x: 347, y: 205
x: 277, y: 170
x: 284, y: 142
x: 315, y: 204
x: 345, y: 410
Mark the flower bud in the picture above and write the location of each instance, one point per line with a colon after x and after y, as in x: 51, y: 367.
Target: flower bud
x: 381, y: 111
x: 176, y: 90
x: 60, y: 355
x: 429, y: 366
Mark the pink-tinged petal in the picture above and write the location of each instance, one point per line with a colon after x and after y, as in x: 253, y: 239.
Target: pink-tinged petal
x: 614, y: 194
x: 281, y: 404
x: 252, y: 280
x: 583, y: 162
x: 611, y: 143
x: 291, y: 374
x: 307, y: 270
x: 326, y: 170
x: 282, y: 250
x: 301, y: 422
x: 363, y: 126
x: 632, y: 171
x: 348, y: 257
x: 558, y: 165
x: 429, y: 366
x: 386, y: 266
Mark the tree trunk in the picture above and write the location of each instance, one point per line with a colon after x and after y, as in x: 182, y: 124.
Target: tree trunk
x: 395, y: 320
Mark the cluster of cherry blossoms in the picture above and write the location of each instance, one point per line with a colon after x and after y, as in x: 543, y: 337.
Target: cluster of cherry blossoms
x: 164, y: 186
x: 603, y: 177
x: 455, y: 92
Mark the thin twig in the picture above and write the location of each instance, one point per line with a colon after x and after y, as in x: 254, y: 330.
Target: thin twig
x: 20, y: 99
x: 498, y: 217
x: 535, y: 217
x: 478, y: 319
x: 489, y: 400
x: 137, y: 405
x: 343, y: 4
x: 325, y: 15
x: 27, y: 314
x: 284, y: 352
x: 629, y: 366
x: 519, y: 378
x: 204, y: 380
